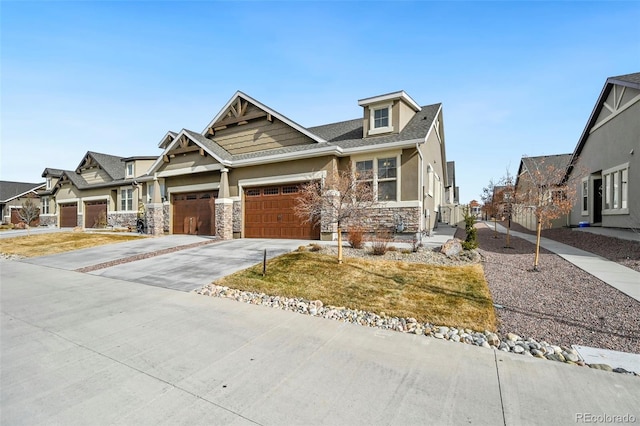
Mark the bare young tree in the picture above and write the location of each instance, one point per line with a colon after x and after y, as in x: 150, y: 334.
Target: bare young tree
x: 544, y: 189
x: 29, y: 212
x: 506, y: 204
x: 344, y: 196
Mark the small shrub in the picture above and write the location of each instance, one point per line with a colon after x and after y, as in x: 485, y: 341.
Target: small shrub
x: 407, y: 251
x: 471, y: 241
x: 101, y: 222
x: 356, y: 237
x: 315, y: 247
x: 302, y: 248
x: 380, y: 242
x: 392, y: 248
x: 415, y: 245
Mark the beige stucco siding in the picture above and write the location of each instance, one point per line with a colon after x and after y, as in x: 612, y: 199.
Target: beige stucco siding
x: 141, y: 167
x: 259, y: 135
x: 191, y: 179
x: 409, y: 174
x: 186, y: 161
x: 274, y: 170
x: 406, y: 114
x: 95, y: 175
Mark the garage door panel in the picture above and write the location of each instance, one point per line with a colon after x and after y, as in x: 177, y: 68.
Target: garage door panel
x: 95, y: 212
x: 270, y: 213
x: 194, y: 213
x: 68, y: 215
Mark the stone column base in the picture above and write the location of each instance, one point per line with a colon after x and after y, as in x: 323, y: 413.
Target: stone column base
x: 224, y: 218
x: 154, y: 216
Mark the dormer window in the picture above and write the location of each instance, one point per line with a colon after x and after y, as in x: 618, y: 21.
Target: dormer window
x: 129, y: 172
x: 380, y: 119
x: 48, y: 187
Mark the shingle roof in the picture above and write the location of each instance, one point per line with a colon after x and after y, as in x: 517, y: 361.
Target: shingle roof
x: 209, y: 144
x: 558, y: 162
x: 10, y: 190
x: 634, y: 78
x: 52, y: 172
x: 111, y: 164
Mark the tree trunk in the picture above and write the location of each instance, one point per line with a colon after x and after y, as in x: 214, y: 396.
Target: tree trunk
x: 495, y: 227
x: 339, y: 244
x: 508, y: 235
x: 535, y: 262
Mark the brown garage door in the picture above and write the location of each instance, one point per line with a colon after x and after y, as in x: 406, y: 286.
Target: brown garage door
x: 68, y: 215
x: 95, y: 214
x: 15, y: 218
x: 194, y: 213
x: 269, y: 213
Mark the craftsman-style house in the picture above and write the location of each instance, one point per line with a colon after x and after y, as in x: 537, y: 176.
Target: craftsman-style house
x: 240, y: 175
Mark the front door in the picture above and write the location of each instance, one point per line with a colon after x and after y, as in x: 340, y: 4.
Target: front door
x: 597, y: 200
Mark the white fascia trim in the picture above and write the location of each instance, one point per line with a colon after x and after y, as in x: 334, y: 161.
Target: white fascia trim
x: 328, y: 150
x: 32, y: 190
x: 391, y: 96
x: 193, y: 188
x: 265, y: 108
x: 382, y: 147
x: 615, y: 114
x: 281, y: 179
x: 67, y: 201
x: 166, y: 139
x: 190, y: 170
x: 123, y: 212
x: 160, y: 160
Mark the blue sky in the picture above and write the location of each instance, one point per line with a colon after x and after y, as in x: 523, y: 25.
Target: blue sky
x: 514, y: 78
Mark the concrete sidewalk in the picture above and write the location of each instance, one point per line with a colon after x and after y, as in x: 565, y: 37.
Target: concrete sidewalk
x: 620, y: 277
x: 83, y: 349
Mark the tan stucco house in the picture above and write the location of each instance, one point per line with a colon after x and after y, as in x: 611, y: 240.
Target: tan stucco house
x: 240, y: 175
x: 609, y: 152
x: 13, y: 195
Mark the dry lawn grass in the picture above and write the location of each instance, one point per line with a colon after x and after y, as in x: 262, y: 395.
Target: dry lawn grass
x: 443, y: 295
x: 57, y: 242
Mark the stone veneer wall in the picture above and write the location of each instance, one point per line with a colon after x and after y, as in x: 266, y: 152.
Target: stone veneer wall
x: 154, y: 218
x: 237, y: 216
x: 165, y: 212
x: 122, y: 220
x: 48, y: 220
x: 224, y: 220
x: 381, y: 218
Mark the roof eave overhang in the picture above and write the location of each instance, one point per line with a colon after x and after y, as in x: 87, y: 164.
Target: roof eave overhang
x: 389, y: 97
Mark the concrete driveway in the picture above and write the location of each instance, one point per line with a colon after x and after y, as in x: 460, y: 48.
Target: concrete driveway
x: 83, y: 349
x: 184, y: 269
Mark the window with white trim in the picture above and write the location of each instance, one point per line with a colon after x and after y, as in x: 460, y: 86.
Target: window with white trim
x: 616, y: 190
x: 48, y: 183
x: 383, y: 175
x: 126, y: 199
x: 45, y: 205
x: 129, y: 168
x: 380, y: 119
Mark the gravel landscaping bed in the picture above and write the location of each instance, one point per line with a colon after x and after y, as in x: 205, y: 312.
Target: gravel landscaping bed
x: 560, y: 302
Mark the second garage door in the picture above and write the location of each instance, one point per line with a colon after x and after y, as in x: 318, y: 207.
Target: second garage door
x: 68, y: 215
x: 269, y: 213
x: 194, y: 213
x: 95, y: 214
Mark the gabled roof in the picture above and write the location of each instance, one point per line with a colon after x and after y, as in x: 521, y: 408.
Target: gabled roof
x: 266, y: 109
x: 111, y: 164
x: 627, y: 80
x: 557, y: 161
x: 389, y: 97
x: 52, y: 172
x: 11, y: 190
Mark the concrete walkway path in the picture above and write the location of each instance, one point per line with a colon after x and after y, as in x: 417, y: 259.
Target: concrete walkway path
x: 620, y: 277
x: 84, y: 349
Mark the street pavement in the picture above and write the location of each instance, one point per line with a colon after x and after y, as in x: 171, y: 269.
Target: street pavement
x: 91, y: 350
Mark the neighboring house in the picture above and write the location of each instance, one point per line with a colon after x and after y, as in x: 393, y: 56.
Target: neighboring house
x: 101, y: 191
x: 451, y: 211
x: 240, y: 176
x: 523, y: 214
x: 475, y: 209
x: 607, y: 157
x: 13, y: 195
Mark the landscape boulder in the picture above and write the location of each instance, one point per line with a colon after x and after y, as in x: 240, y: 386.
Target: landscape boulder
x: 451, y: 248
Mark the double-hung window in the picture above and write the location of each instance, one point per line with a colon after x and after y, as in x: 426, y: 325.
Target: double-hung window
x: 380, y: 119
x: 129, y: 170
x: 585, y: 196
x: 383, y: 175
x: 45, y: 205
x: 126, y: 199
x: 616, y: 190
